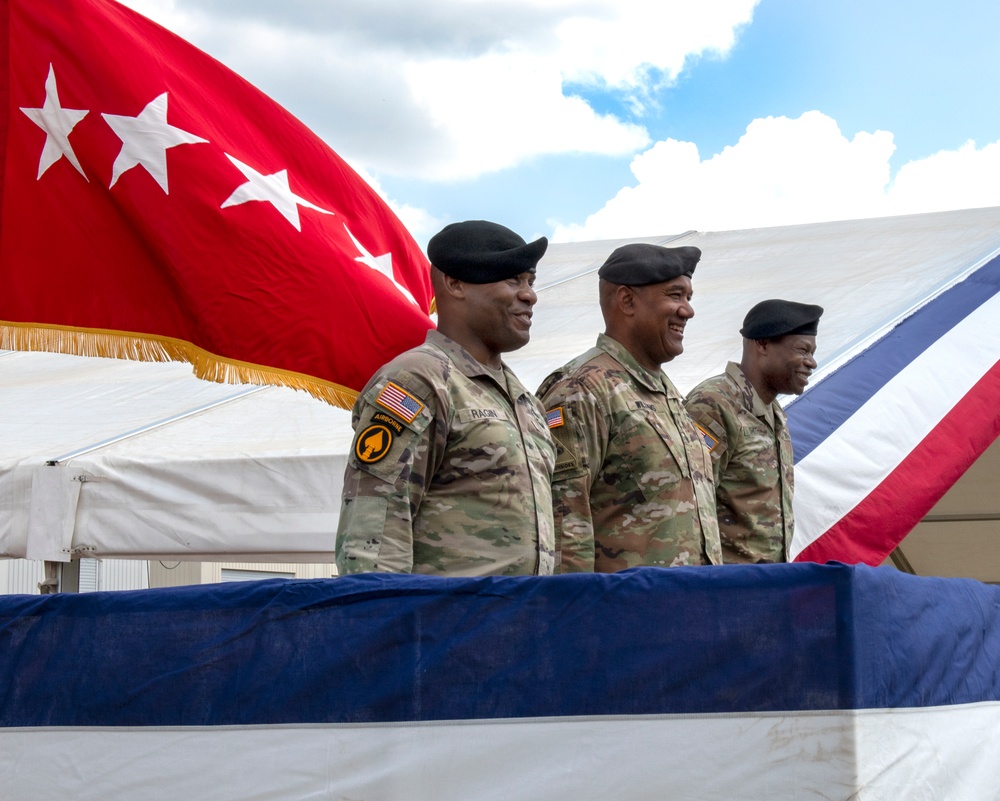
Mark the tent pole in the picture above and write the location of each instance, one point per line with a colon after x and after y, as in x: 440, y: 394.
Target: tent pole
x: 60, y: 577
x: 900, y: 562
x: 50, y: 584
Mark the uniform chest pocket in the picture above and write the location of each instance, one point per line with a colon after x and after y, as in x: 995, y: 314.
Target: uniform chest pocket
x: 756, y: 440
x: 651, y: 460
x: 487, y: 428
x: 671, y: 437
x: 484, y: 424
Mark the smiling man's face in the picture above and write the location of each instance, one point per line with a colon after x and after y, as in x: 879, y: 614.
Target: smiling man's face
x: 788, y: 363
x: 661, y: 313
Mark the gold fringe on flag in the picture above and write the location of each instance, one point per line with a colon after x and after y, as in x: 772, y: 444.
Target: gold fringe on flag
x: 149, y: 348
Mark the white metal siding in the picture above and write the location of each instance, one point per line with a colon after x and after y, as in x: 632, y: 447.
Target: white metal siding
x: 89, y: 575
x: 20, y: 576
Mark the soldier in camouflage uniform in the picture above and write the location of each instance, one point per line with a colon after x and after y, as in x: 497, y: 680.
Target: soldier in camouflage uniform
x: 746, y: 431
x: 633, y: 481
x: 452, y: 460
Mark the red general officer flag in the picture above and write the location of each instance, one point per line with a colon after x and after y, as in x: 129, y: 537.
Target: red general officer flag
x: 157, y: 206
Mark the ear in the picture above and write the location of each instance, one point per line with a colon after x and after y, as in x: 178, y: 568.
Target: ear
x: 625, y: 299
x: 452, y: 286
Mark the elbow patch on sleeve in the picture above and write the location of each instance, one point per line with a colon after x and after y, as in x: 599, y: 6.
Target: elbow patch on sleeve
x: 360, y: 534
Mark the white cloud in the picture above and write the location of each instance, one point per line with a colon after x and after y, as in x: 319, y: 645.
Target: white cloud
x: 783, y: 172
x: 453, y: 89
x: 420, y: 223
x: 951, y: 179
x: 508, y: 104
x: 616, y: 43
x: 498, y: 111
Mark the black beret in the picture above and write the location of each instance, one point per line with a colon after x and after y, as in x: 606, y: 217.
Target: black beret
x: 638, y: 264
x: 482, y: 252
x: 776, y: 318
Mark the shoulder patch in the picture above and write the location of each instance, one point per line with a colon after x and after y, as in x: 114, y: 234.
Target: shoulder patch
x: 554, y: 417
x: 373, y: 443
x: 396, y: 399
x: 389, y: 420
x: 564, y: 464
x: 708, y: 439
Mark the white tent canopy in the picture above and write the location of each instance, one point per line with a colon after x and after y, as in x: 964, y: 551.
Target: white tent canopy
x: 867, y: 274
x: 105, y: 458
x: 108, y: 458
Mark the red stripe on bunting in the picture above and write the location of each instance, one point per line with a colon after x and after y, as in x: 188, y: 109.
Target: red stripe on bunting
x: 870, y: 531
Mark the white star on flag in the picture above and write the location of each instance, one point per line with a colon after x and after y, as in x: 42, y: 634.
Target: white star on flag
x: 145, y: 141
x: 58, y: 123
x: 380, y: 264
x: 271, y: 189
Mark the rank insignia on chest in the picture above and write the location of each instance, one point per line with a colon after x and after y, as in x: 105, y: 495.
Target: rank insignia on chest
x: 708, y: 439
x: 396, y: 399
x: 554, y: 417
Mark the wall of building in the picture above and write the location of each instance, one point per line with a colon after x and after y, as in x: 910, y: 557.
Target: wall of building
x: 22, y: 576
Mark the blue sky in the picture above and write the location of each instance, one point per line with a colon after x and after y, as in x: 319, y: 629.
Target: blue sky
x: 924, y: 70
x: 590, y: 119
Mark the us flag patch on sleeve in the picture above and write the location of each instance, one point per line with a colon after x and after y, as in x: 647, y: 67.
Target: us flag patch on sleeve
x: 554, y: 417
x: 396, y: 399
x: 708, y: 439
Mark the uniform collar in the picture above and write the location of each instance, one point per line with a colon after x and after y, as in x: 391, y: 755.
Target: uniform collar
x: 468, y: 365
x: 654, y: 382
x: 754, y: 402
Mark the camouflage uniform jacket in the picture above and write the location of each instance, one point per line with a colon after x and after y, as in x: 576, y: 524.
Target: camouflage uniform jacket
x: 450, y: 471
x: 633, y: 482
x: 752, y: 456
